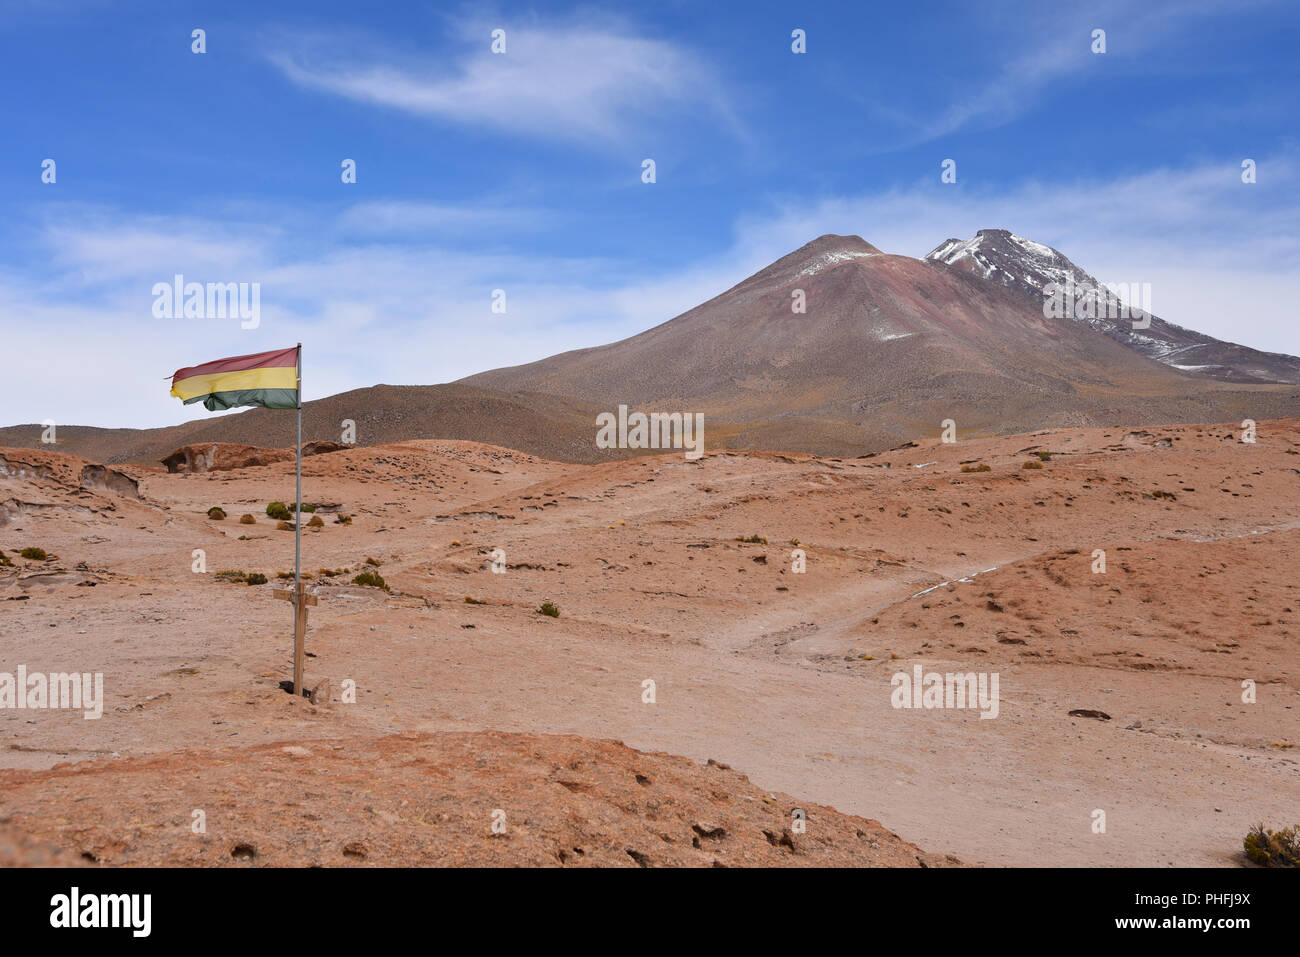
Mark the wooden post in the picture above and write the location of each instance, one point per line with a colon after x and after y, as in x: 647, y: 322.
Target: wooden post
x: 301, y: 600
x: 299, y: 643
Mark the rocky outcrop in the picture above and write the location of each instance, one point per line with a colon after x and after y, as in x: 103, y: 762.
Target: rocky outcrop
x: 44, y: 481
x: 319, y: 448
x: 100, y: 478
x: 222, y: 456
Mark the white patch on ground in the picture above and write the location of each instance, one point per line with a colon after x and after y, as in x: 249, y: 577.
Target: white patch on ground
x: 832, y: 258
x: 968, y: 578
x: 1037, y: 249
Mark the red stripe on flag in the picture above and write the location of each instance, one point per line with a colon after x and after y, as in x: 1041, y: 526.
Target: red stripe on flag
x: 279, y: 358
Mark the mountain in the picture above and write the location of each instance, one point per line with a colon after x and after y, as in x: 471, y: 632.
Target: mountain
x: 1029, y: 268
x: 883, y: 350
x: 888, y: 347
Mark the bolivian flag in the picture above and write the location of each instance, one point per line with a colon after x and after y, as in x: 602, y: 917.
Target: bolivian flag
x: 267, y: 379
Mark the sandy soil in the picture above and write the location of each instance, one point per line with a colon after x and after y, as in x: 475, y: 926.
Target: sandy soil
x: 447, y: 799
x: 784, y: 676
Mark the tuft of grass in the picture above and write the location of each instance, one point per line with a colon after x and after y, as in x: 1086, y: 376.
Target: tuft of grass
x: 34, y: 553
x: 373, y: 579
x: 279, y: 511
x: 373, y: 561
x: 330, y: 572
x: 247, y: 519
x: 1044, y: 456
x: 232, y: 575
x: 283, y: 575
x: 549, y: 608
x: 474, y: 601
x: 216, y: 513
x: 284, y: 526
x: 1159, y: 493
x: 1031, y: 464
x: 316, y: 522
x: 342, y: 519
x: 753, y: 540
x: 5, y: 561
x: 1273, y: 848
x: 982, y: 467
x: 256, y: 578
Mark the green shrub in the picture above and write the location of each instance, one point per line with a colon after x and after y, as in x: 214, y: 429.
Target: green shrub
x: 247, y: 519
x: 216, y: 513
x: 549, y: 608
x: 35, y: 554
x: 373, y: 579
x: 256, y: 578
x: 1273, y: 848
x: 279, y: 510
x: 1031, y: 464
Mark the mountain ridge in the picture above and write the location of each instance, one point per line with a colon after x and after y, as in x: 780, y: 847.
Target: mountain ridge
x: 1030, y: 267
x: 835, y: 348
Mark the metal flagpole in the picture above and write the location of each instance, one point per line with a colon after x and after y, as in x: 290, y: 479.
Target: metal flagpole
x: 299, y: 606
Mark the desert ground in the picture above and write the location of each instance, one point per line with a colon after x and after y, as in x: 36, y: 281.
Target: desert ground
x: 772, y: 686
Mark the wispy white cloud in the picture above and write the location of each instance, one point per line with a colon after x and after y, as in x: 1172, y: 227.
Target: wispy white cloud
x: 406, y: 218
x: 1218, y: 253
x: 369, y: 308
x: 1036, y: 47
x: 596, y: 84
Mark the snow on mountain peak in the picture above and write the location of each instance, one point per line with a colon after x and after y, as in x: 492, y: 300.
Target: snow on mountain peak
x: 1010, y: 259
x: 832, y: 257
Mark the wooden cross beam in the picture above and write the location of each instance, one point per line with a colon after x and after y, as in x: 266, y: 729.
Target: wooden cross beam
x: 301, y: 601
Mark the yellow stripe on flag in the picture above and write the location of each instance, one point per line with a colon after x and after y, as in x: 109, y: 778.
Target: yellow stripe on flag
x: 284, y: 377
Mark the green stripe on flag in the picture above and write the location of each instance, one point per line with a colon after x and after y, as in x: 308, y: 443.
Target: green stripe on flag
x: 267, y: 398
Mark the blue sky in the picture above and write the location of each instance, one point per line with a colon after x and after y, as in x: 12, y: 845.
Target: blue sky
x: 522, y: 171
